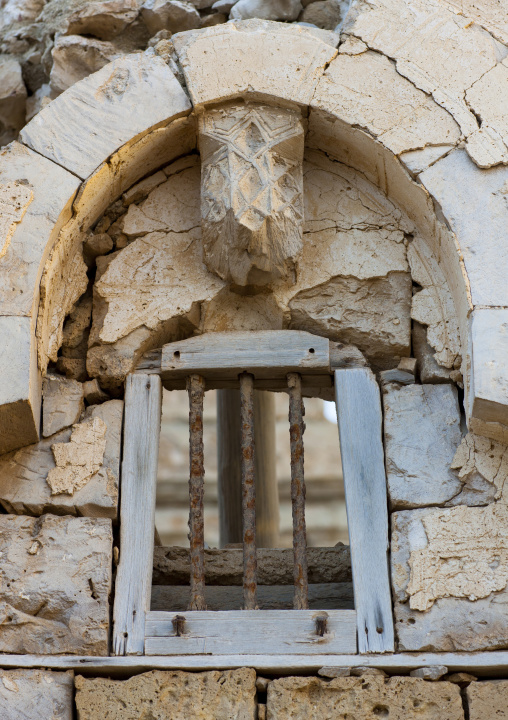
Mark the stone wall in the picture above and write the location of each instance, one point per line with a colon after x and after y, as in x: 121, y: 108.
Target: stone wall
x: 243, y: 695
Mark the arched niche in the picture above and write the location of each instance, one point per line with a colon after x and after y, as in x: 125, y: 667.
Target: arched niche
x: 91, y: 144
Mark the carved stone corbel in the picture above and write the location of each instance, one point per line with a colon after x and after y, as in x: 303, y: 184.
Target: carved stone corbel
x: 251, y: 191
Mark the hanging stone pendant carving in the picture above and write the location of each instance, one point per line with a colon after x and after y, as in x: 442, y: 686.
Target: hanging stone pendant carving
x: 251, y: 192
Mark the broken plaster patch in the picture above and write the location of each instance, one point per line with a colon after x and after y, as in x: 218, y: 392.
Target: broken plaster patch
x: 79, y: 459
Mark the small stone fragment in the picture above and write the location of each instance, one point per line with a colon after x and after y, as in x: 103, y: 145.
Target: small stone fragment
x: 362, y: 670
x: 487, y: 700
x: 79, y: 459
x: 206, y: 695
x: 325, y: 14
x: 461, y: 678
x: 95, y: 245
x: 285, y: 10
x: 104, y: 20
x: 140, y: 190
x: 76, y: 57
x: 430, y: 371
x: 334, y: 672
x: 74, y: 368
x: 407, y: 364
x: 432, y: 672
x: 171, y: 15
x: 23, y: 691
x: 215, y: 19
x: 62, y: 403
x: 396, y: 376
x: 12, y: 99
x: 93, y: 393
x: 262, y: 684
x: 262, y: 715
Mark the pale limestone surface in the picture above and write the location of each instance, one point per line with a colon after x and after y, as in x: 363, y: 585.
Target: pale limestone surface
x: 439, y: 51
x: 485, y: 13
x: 104, y: 20
x: 230, y: 694
x: 428, y: 369
x: 15, y: 198
x: 310, y: 698
x: 487, y: 700
x: 285, y: 10
x: 325, y: 14
x: 421, y: 434
x: 251, y: 192
x: 68, y: 612
x: 78, y: 459
x: 482, y: 464
x: 25, y: 694
x: 289, y: 61
x: 24, y: 486
x: 451, y: 624
x: 75, y: 58
x: 366, y: 90
x: 62, y: 403
x: 12, y: 99
x: 123, y: 99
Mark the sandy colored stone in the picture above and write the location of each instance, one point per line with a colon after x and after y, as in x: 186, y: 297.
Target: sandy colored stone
x: 284, y: 10
x: 104, y: 20
x: 471, y: 562
x: 62, y: 403
x: 176, y: 695
x: 366, y: 90
x: 487, y: 700
x: 15, y: 197
x: 431, y: 672
x: 93, y: 393
x: 422, y: 433
x: 80, y: 458
x: 172, y: 15
x: 251, y: 192
x: 23, y: 691
x: 439, y: 51
x: 482, y: 464
x: 19, y: 11
x: 55, y: 583
x: 289, y: 61
x: 141, y: 189
x: 229, y: 312
x: 416, y: 161
x: 324, y: 14
x: 96, y: 244
x: 428, y: 368
x: 37, y: 101
x: 310, y: 698
x: 485, y: 13
x: 24, y: 487
x: 76, y: 57
x: 124, y: 99
x: 487, y: 97
x: 12, y: 99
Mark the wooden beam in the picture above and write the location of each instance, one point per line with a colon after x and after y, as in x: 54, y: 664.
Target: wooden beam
x: 143, y: 397
x: 251, y: 631
x: 171, y: 565
x: 360, y: 429
x: 484, y: 664
x: 229, y: 469
x: 265, y: 354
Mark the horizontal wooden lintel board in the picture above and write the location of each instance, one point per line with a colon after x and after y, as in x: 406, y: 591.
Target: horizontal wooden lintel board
x: 251, y: 631
x: 267, y: 354
x: 483, y: 664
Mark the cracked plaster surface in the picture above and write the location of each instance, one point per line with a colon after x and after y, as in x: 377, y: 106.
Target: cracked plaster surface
x: 444, y: 54
x: 15, y: 198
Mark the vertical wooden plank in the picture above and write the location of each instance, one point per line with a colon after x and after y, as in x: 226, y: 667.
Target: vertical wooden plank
x: 143, y: 399
x: 360, y: 429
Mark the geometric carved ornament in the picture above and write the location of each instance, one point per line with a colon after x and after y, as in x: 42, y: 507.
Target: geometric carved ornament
x: 251, y: 192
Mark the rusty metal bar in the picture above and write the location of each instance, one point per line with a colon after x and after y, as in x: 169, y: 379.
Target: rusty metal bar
x: 196, y: 390
x: 248, y: 491
x: 296, y: 430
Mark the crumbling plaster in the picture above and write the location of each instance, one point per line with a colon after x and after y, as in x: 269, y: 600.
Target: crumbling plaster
x: 139, y: 117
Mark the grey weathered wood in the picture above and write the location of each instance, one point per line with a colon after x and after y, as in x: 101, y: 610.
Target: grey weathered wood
x: 229, y: 469
x: 311, y: 384
x: 251, y: 631
x: 360, y: 427
x: 324, y: 596
x: 485, y: 664
x: 143, y: 398
x: 171, y: 566
x: 267, y: 353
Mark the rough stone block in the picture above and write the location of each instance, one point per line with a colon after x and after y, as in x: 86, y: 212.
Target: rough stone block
x: 25, y: 694
x: 56, y: 581
x: 104, y: 20
x: 422, y: 434
x: 430, y: 371
x: 488, y: 700
x: 78, y: 490
x: 371, y: 696
x: 62, y: 403
x: 12, y: 99
x: 20, y: 389
x: 169, y: 696
x: 254, y: 57
x: 455, y: 556
x: 124, y: 99
x: 75, y: 58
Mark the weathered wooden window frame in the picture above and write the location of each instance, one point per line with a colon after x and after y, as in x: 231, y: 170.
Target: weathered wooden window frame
x: 269, y: 356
